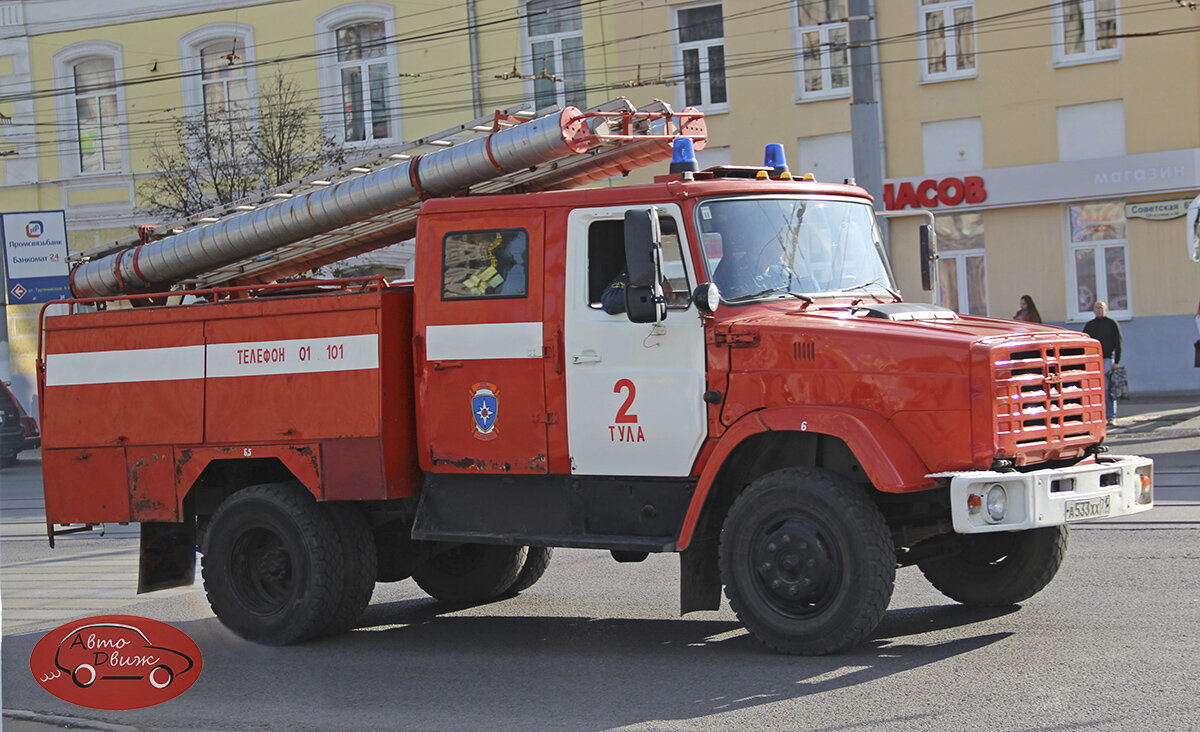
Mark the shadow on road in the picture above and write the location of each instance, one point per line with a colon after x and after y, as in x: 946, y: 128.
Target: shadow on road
x: 414, y: 661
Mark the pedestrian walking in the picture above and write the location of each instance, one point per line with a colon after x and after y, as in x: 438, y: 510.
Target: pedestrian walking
x: 1106, y: 330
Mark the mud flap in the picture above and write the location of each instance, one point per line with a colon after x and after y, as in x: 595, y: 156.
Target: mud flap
x: 167, y: 556
x: 699, y: 577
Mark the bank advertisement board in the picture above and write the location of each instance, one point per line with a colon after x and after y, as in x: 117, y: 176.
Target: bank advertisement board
x: 35, y: 256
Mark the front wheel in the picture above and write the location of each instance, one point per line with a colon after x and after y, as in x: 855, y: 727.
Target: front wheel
x: 807, y: 561
x: 1001, y: 568
x: 273, y: 564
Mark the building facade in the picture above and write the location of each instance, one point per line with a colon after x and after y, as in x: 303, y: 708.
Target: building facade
x: 1054, y: 143
x: 1057, y: 145
x: 87, y: 89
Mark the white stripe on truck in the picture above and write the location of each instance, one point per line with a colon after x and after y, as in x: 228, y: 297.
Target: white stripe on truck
x: 217, y: 360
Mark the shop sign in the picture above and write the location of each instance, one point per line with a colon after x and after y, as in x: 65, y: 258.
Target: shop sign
x: 933, y: 193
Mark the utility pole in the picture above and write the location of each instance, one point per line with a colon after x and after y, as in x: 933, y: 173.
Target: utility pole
x: 866, y: 120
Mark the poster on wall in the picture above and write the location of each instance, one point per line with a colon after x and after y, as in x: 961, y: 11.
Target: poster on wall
x: 35, y: 257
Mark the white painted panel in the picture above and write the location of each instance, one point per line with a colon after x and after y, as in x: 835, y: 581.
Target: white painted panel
x: 952, y: 146
x: 297, y: 356
x: 1090, y: 131
x: 483, y: 341
x: 829, y: 157
x: 122, y: 367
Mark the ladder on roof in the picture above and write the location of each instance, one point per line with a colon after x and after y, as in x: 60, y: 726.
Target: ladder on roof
x: 253, y: 240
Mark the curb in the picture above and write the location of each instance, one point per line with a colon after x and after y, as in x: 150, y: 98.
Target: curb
x: 56, y: 720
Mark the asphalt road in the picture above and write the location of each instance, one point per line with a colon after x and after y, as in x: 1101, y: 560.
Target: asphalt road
x: 1112, y: 643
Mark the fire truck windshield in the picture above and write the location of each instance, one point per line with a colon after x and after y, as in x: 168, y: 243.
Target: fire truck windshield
x: 771, y: 247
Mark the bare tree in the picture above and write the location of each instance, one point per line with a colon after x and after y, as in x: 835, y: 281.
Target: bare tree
x: 225, y: 155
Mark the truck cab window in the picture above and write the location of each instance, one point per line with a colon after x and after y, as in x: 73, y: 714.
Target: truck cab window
x: 482, y: 264
x: 606, y: 260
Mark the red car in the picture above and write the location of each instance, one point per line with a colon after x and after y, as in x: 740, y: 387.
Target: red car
x: 18, y: 430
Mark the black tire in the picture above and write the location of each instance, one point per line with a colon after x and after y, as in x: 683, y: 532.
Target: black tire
x: 999, y: 569
x: 807, y: 561
x: 469, y: 572
x: 273, y: 564
x: 359, y: 565
x: 536, y: 561
x: 9, y: 460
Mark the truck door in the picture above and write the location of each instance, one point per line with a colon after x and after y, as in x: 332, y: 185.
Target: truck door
x: 634, y: 391
x: 482, y: 394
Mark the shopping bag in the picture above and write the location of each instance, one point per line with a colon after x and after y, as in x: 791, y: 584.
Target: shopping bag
x: 1118, y: 383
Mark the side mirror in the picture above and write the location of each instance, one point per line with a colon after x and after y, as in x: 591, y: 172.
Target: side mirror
x: 644, y: 300
x: 642, y: 240
x: 640, y: 305
x: 706, y: 297
x: 929, y: 256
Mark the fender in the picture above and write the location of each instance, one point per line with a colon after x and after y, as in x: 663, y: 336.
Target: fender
x: 303, y: 460
x: 889, y: 461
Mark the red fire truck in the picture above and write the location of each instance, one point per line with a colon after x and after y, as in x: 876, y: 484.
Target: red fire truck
x: 766, y: 406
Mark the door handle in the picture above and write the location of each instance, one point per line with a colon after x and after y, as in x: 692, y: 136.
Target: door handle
x: 588, y: 357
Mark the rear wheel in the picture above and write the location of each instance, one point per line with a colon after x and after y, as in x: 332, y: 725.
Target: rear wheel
x: 273, y: 564
x: 469, y: 572
x: 359, y: 565
x: 1001, y: 568
x: 536, y: 562
x: 807, y: 561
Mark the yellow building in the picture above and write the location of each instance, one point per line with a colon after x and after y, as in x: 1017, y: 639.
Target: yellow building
x: 1053, y: 142
x: 1057, y: 144
x: 86, y: 89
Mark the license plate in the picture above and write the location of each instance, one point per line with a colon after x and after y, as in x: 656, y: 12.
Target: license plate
x: 1088, y: 509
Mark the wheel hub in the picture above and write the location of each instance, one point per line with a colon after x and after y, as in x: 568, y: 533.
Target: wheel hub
x: 273, y: 565
x: 793, y: 562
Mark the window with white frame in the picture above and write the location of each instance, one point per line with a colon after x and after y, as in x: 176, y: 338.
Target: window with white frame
x: 962, y: 263
x: 554, y: 30
x: 97, y: 123
x: 363, y: 68
x: 1085, y: 31
x: 217, y: 61
x: 823, y: 36
x: 947, y: 40
x: 700, y: 49
x: 1097, y: 258
x: 358, y: 72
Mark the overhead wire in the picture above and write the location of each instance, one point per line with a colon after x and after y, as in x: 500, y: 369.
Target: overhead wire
x: 413, y: 107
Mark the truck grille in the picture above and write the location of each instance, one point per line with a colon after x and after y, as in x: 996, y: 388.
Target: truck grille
x: 1049, y: 400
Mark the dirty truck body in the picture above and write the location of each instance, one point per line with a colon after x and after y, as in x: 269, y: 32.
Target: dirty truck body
x: 794, y: 444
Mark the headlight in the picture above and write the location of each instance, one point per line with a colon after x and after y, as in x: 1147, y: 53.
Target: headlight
x: 997, y: 503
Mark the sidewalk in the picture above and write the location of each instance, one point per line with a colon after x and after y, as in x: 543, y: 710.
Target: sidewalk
x: 1176, y: 412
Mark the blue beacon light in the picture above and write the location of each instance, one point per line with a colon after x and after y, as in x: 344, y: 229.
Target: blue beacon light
x: 683, y: 156
x: 774, y: 158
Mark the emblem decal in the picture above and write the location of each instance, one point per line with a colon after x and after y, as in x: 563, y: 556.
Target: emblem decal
x: 485, y: 403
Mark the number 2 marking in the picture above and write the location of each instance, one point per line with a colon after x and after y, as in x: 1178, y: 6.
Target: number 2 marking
x: 623, y: 415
